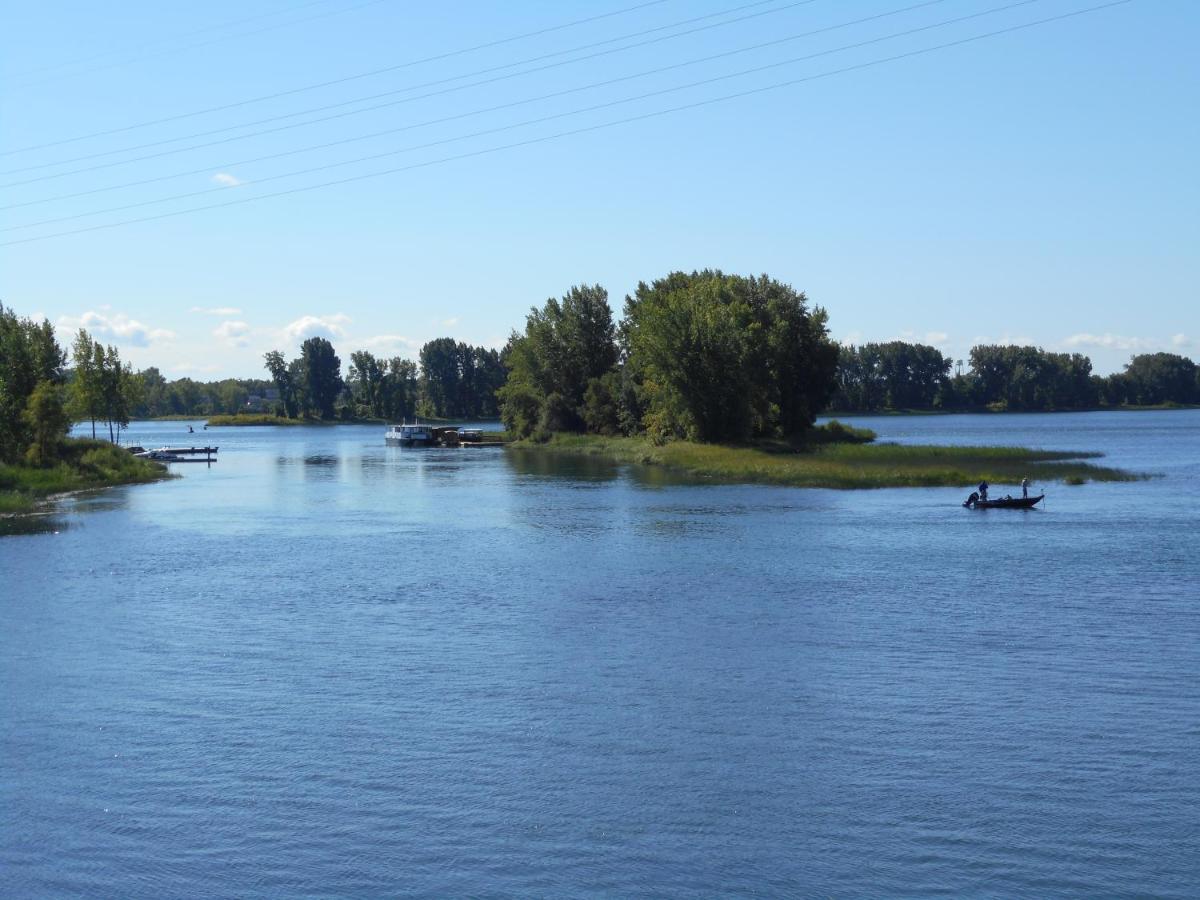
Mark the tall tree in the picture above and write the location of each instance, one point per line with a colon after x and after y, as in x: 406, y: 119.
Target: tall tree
x: 322, y: 374
x: 720, y: 357
x: 366, y: 378
x: 48, y: 422
x: 29, y: 355
x: 442, y: 372
x: 282, y: 378
x: 567, y: 343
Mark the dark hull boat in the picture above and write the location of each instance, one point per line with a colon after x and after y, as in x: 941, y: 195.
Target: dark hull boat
x: 973, y: 502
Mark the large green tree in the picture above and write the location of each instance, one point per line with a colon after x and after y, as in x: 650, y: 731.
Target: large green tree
x: 322, y: 375
x: 281, y: 376
x: 29, y: 355
x: 719, y: 357
x: 566, y: 344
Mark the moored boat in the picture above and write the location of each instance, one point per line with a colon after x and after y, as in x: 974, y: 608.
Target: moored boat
x: 409, y: 436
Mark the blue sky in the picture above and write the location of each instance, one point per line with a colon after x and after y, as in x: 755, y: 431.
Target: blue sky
x: 1037, y: 186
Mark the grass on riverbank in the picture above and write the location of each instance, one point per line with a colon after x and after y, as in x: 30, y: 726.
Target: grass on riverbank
x: 257, y: 419
x: 844, y: 465
x: 84, y: 464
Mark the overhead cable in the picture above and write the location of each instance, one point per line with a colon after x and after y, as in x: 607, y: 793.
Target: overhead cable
x: 528, y: 100
x: 391, y: 93
x: 312, y: 87
x: 577, y: 131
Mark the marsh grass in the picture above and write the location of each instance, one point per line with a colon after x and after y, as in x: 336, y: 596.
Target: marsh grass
x: 844, y: 465
x: 84, y: 464
x: 256, y: 419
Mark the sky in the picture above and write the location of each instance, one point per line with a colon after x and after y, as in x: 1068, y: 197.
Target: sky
x: 1034, y: 186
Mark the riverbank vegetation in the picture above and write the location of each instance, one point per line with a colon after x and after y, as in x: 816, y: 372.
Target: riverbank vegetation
x: 38, y: 403
x: 897, y: 376
x: 80, y: 465
x: 839, y: 464
x: 453, y: 380
x: 702, y: 357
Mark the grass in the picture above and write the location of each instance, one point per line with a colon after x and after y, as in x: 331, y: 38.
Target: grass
x: 84, y: 464
x: 844, y: 465
x: 256, y: 419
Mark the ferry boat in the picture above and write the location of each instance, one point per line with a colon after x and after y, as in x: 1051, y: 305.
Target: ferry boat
x: 410, y: 436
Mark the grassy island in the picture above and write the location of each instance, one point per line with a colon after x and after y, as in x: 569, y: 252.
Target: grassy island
x: 256, y: 419
x: 841, y: 464
x: 82, y: 465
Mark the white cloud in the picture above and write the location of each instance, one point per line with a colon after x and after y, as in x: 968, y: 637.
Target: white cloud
x: 1181, y: 341
x: 224, y: 179
x: 327, y: 327
x: 217, y: 310
x: 235, y: 334
x: 450, y: 323
x: 936, y: 338
x: 116, y: 327
x: 1108, y: 341
x: 390, y: 344
x: 199, y: 368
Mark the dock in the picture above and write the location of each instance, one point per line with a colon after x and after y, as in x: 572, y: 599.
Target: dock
x: 178, y: 454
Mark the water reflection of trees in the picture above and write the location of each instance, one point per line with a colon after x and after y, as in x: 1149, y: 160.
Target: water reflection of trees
x: 541, y: 464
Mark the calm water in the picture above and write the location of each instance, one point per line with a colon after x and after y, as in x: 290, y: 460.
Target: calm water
x: 324, y: 667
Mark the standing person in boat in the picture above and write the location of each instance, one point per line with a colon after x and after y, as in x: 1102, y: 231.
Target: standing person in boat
x: 983, y: 488
x: 1024, y: 487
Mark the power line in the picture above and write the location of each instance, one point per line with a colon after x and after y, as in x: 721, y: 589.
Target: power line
x: 404, y: 90
x: 528, y: 100
x: 311, y: 87
x: 577, y: 131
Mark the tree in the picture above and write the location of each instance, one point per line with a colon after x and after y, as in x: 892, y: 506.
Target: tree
x: 119, y: 389
x: 566, y: 344
x: 718, y: 357
x: 322, y: 375
x: 1153, y: 378
x: 366, y: 379
x: 441, y: 373
x: 48, y: 421
x: 29, y: 355
x: 281, y: 375
x: 399, y: 389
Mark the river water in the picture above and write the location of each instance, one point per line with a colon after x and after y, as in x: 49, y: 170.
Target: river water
x: 324, y: 667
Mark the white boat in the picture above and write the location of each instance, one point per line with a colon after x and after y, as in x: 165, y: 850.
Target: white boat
x: 409, y: 436
x: 162, y: 454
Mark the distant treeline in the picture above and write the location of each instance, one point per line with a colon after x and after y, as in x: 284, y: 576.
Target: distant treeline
x: 452, y: 380
x: 900, y: 375
x: 703, y: 355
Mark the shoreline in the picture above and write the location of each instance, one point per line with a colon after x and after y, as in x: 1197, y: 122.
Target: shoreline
x: 977, y: 411
x: 89, y: 465
x: 842, y: 466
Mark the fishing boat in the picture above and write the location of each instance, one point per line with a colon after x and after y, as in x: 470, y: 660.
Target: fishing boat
x: 409, y: 436
x: 973, y: 502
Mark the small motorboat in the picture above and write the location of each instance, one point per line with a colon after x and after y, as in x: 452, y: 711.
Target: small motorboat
x: 162, y: 454
x: 973, y: 502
